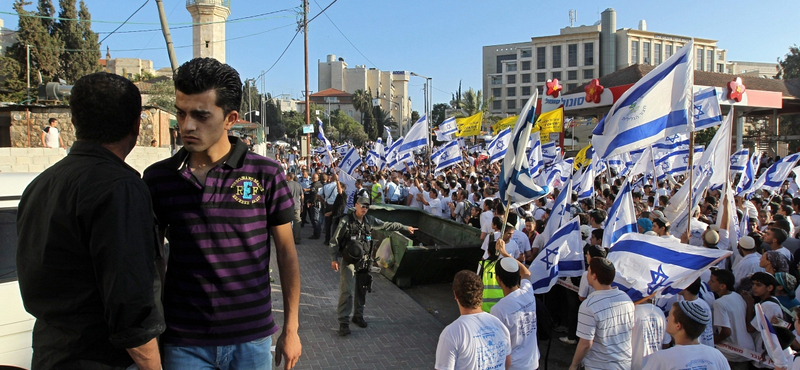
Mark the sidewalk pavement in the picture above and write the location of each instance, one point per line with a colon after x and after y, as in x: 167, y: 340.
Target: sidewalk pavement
x: 401, y: 333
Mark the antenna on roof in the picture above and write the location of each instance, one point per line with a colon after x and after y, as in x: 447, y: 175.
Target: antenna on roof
x: 573, y: 17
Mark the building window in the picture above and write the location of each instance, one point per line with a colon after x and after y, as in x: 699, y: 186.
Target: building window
x: 541, y: 77
x: 710, y: 60
x: 588, y: 54
x: 656, y: 54
x: 572, y: 55
x: 511, y: 104
x: 497, y: 80
x: 646, y: 52
x: 720, y: 68
x: 497, y: 92
x: 525, y: 53
x: 526, y: 66
x: 540, y: 89
x: 667, y: 51
x: 526, y: 91
x: 541, y: 61
x: 572, y: 75
x: 556, y: 56
x: 588, y: 74
x: 526, y: 78
x: 571, y: 87
x: 511, y: 79
x: 699, y: 55
x: 720, y: 55
x: 497, y: 105
x: 634, y: 52
x: 511, y: 67
x: 511, y: 91
x: 556, y: 75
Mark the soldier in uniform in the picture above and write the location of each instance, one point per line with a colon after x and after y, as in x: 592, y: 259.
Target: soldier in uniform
x: 351, y: 242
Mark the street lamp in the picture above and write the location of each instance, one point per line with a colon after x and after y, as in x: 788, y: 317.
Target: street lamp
x: 375, y: 103
x: 257, y: 113
x: 428, y: 98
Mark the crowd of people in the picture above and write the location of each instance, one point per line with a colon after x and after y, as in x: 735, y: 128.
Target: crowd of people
x: 606, y: 327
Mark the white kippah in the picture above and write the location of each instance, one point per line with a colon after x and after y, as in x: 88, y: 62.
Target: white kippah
x: 509, y: 264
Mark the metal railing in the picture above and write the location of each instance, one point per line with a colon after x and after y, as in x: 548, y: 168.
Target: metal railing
x: 225, y: 3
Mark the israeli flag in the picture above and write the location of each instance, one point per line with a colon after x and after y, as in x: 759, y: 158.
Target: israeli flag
x: 770, y: 340
x: 676, y: 162
x: 447, y: 156
x: 350, y: 186
x: 559, y: 214
x: 643, y: 165
x: 535, y: 155
x: 776, y: 174
x: 617, y: 163
x: 585, y: 187
x: 748, y: 178
x: 549, y: 152
x: 621, y: 217
x: 321, y: 136
x: 672, y: 142
x: 649, y: 265
x: 499, y: 145
x: 378, y: 148
x: 448, y: 128
x: 375, y: 160
x: 320, y: 150
x: 388, y: 136
x: 707, y: 112
x: 392, y: 151
x: 417, y: 137
x: 739, y: 161
x: 342, y: 149
x: 400, y: 161
x: 658, y: 105
x: 350, y: 161
x: 562, y: 256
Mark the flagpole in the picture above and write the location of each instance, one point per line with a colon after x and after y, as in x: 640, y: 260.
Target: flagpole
x: 505, y: 217
x: 690, y: 165
x: 655, y: 174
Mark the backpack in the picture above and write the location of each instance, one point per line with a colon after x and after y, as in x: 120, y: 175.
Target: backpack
x: 354, y: 238
x: 466, y: 211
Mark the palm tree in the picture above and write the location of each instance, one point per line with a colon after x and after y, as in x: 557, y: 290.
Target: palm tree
x: 472, y: 102
x: 383, y: 119
x: 362, y: 102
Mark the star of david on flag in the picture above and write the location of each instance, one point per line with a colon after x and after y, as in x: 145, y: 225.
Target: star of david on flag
x: 562, y: 257
x: 351, y: 161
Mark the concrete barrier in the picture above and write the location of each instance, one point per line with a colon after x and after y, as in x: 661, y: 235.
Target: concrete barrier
x: 39, y: 159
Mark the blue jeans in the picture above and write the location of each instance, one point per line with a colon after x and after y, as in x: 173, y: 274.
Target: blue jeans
x: 251, y: 355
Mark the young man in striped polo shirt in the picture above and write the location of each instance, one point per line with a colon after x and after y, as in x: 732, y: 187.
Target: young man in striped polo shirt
x: 219, y: 204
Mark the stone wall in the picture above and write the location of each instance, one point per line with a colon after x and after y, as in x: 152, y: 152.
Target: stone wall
x: 38, y: 159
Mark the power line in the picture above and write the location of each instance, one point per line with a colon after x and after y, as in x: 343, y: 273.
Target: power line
x: 345, y: 37
x: 284, y: 52
x: 322, y: 12
x: 123, y: 23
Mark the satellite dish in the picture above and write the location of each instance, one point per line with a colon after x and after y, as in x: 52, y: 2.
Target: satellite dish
x: 341, y: 59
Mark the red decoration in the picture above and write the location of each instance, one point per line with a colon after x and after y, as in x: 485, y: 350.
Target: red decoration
x: 593, y: 91
x: 736, y: 89
x: 553, y: 87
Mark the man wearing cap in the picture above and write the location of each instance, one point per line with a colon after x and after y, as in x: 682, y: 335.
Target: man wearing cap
x: 355, y: 226
x: 517, y: 310
x: 686, y: 322
x: 605, y: 322
x: 748, y: 264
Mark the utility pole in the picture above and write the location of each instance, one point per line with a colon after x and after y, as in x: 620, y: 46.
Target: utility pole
x: 308, y: 104
x: 165, y: 29
x: 28, y: 51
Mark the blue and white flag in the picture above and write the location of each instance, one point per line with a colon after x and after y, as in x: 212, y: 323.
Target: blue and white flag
x: 375, y: 160
x: 739, y: 161
x: 617, y: 163
x: 417, y: 137
x: 350, y: 186
x: 658, y: 105
x: 378, y: 148
x: 388, y: 136
x: 676, y: 162
x: 649, y: 265
x: 621, y: 218
x: 400, y: 161
x: 549, y: 152
x: 447, y: 129
x: 562, y: 256
x: 350, y: 161
x: 770, y: 339
x: 516, y: 183
x: 392, y: 151
x: 342, y: 149
x: 748, y: 178
x: 447, y: 155
x: 321, y: 136
x: 773, y: 178
x: 560, y: 213
x: 585, y: 187
x: 670, y: 143
x: 499, y: 145
x: 535, y: 156
x: 707, y: 112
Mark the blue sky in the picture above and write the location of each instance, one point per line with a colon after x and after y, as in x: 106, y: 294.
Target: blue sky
x: 439, y: 39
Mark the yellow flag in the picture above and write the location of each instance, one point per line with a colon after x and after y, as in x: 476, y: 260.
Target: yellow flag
x: 469, y: 126
x: 550, y: 122
x: 580, y: 158
x: 504, y: 124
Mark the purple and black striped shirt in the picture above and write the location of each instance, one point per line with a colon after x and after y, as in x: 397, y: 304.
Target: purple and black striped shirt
x: 217, y: 289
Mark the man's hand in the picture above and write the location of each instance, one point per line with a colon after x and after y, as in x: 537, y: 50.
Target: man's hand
x: 288, y: 347
x: 412, y: 229
x: 500, y: 247
x: 328, y: 214
x: 335, y: 266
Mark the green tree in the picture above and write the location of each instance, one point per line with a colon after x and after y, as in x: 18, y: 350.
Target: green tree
x: 293, y: 123
x: 348, y: 128
x: 162, y: 94
x: 383, y: 119
x: 414, y: 117
x: 251, y: 101
x: 473, y: 102
x: 9, y: 75
x: 789, y: 66
x: 362, y: 102
x: 438, y: 113
x: 47, y: 13
x: 68, y: 31
x: 88, y: 61
x: 44, y: 47
x: 273, y: 118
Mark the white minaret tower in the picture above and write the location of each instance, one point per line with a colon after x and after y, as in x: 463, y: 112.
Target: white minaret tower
x: 208, y: 32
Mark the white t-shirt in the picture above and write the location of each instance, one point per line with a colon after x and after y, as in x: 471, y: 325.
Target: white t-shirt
x: 517, y: 311
x: 412, y: 193
x: 649, y: 333
x: 445, y: 207
x: 687, y: 357
x: 476, y: 341
x: 785, y: 252
x: 511, y: 246
x: 51, y: 138
x: 486, y: 221
x: 584, y: 289
x: 729, y: 312
x: 538, y: 213
x: 606, y: 317
x: 522, y: 241
x: 434, y: 207
x: 746, y: 266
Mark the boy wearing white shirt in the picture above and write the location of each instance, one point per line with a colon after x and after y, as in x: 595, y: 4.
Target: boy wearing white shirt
x: 764, y: 285
x: 730, y: 324
x: 690, y: 294
x: 432, y: 205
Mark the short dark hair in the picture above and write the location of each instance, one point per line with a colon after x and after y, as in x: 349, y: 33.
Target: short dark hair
x: 724, y: 277
x: 597, y: 234
x: 692, y: 328
x: 765, y: 278
x: 788, y: 209
x: 694, y: 288
x: 105, y: 107
x: 598, y: 216
x: 202, y: 74
x: 779, y: 234
x: 594, y: 251
x: 604, y: 270
x: 51, y: 120
x: 468, y: 288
